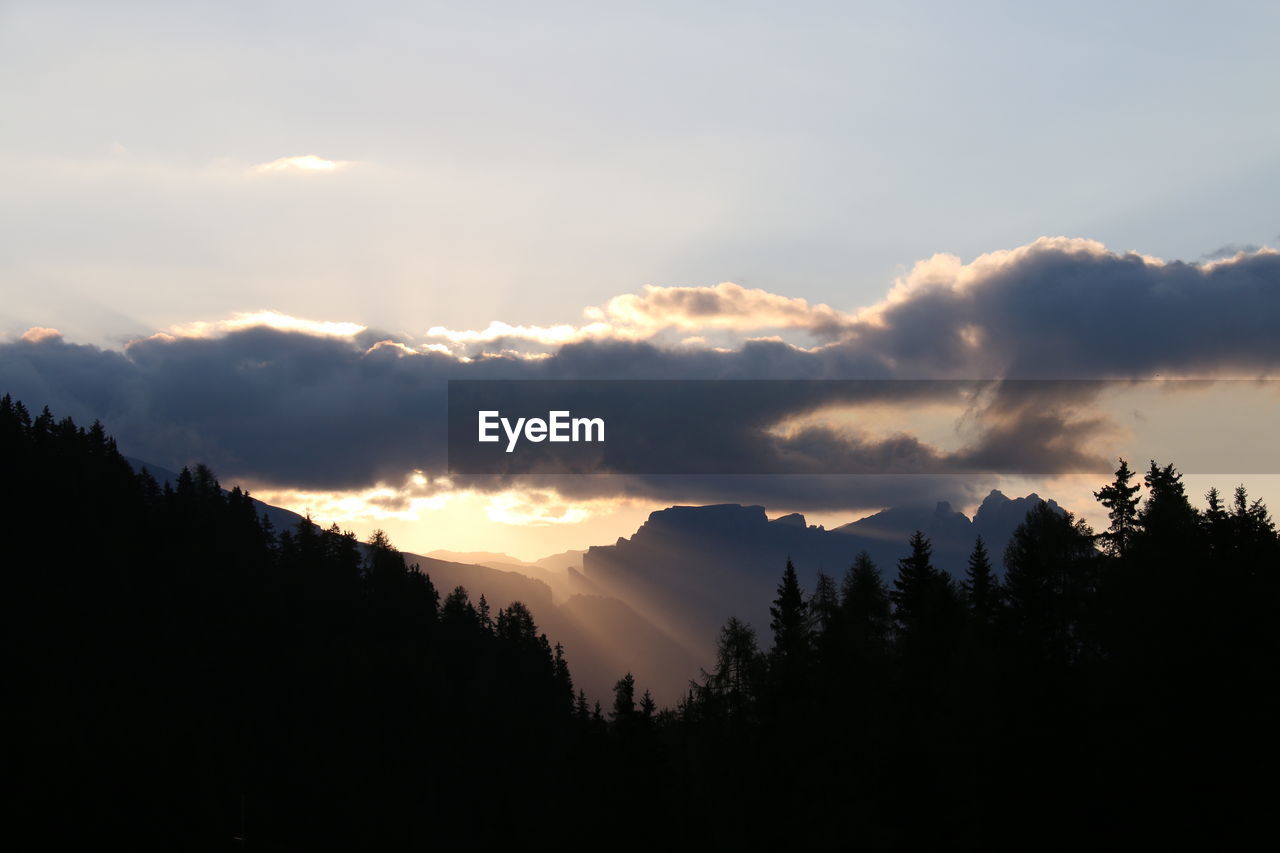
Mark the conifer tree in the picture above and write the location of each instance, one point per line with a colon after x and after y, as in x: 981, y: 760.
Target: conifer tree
x: 648, y: 709
x: 1167, y: 514
x: 866, y: 611
x: 916, y: 583
x: 1121, y: 500
x: 597, y: 718
x: 980, y: 588
x: 736, y: 681
x: 1048, y: 581
x: 563, y: 680
x: 457, y: 610
x: 789, y: 620
x: 926, y: 606
x: 1217, y: 524
x: 624, y: 702
x: 824, y: 606
x: 383, y: 565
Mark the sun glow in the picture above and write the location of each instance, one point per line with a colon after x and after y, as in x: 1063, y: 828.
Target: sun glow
x: 305, y: 163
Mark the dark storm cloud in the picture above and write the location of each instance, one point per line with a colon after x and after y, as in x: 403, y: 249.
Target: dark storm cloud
x: 329, y: 412
x: 1071, y: 310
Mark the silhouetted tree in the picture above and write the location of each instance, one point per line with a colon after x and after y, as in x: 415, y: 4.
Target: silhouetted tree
x: 789, y: 621
x: 1049, y: 579
x: 1253, y: 530
x: 199, y: 664
x: 1167, y: 518
x: 866, y: 616
x: 1217, y: 524
x: 564, y: 681
x: 457, y: 609
x: 1121, y: 500
x: 824, y: 606
x: 735, y: 684
x: 624, y: 703
x: 926, y: 606
x: 981, y: 590
x: 648, y: 709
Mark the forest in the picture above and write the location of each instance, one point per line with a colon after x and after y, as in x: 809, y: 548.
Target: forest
x: 180, y: 675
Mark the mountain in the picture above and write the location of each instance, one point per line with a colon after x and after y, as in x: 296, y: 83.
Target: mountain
x: 475, y: 557
x: 688, y: 569
x: 564, y: 560
x: 951, y: 533
x: 552, y: 570
x: 555, y: 562
x: 603, y: 636
x: 653, y: 604
x: 499, y: 588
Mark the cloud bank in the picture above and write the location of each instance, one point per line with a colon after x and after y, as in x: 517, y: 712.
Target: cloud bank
x: 326, y: 405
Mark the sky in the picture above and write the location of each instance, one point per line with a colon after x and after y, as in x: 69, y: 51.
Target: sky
x: 469, y: 178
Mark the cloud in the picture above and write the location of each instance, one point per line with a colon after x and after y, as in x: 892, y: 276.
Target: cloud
x: 305, y: 164
x: 36, y: 334
x: 404, y: 501
x: 1230, y: 250
x: 1060, y: 308
x: 326, y: 406
x: 539, y: 507
x: 725, y: 307
x: 267, y: 319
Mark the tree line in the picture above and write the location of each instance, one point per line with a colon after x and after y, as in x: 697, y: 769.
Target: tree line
x: 1113, y: 686
x: 184, y: 675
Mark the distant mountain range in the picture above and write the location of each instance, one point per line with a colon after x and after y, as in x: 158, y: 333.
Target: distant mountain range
x: 653, y: 604
x: 556, y: 562
x: 689, y: 568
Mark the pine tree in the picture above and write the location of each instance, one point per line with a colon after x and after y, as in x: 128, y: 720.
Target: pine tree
x: 824, y: 606
x: 980, y: 589
x: 926, y: 606
x: 563, y: 680
x: 736, y: 681
x: 1167, y: 514
x: 383, y: 564
x: 457, y: 610
x: 648, y: 709
x: 1252, y: 519
x: 624, y: 702
x: 1217, y: 524
x: 1253, y: 534
x: 866, y: 612
x: 915, y: 584
x: 1121, y: 501
x: 597, y: 718
x: 789, y: 620
x: 516, y: 627
x: 1048, y: 582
